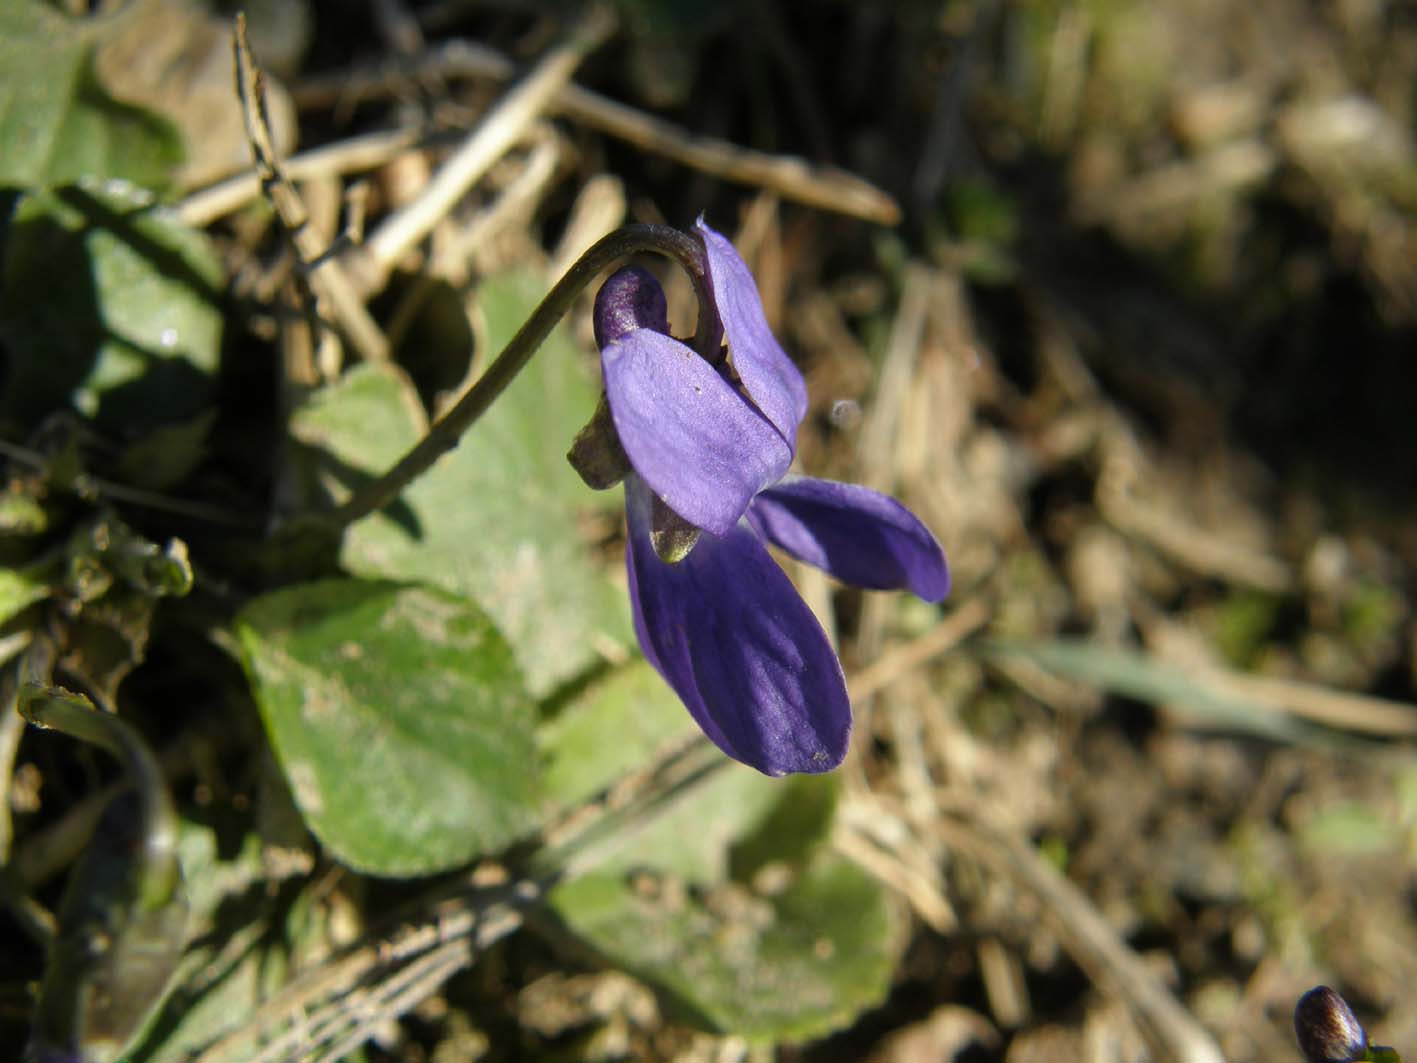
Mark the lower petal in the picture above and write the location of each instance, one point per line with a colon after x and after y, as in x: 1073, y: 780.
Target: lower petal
x: 858, y: 535
x: 728, y: 631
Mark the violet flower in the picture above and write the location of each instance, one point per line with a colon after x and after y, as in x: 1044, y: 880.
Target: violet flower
x: 709, y: 446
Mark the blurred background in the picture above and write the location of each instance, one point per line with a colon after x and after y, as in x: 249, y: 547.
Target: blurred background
x: 1122, y: 301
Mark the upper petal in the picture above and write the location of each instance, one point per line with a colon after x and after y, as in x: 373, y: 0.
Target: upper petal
x: 728, y: 631
x: 631, y: 298
x: 858, y: 535
x: 768, y: 374
x: 692, y: 438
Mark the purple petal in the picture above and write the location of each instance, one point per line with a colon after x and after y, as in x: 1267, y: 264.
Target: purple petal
x: 768, y: 374
x: 727, y: 630
x: 692, y: 438
x: 629, y: 299
x: 857, y: 535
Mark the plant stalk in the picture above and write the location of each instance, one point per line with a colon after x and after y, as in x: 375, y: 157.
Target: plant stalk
x: 445, y: 434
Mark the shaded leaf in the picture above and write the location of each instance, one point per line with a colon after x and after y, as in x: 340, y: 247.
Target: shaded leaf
x: 96, y: 998
x: 399, y: 718
x: 726, y: 901
x: 110, y: 305
x: 57, y: 123
x: 782, y: 965
x: 164, y: 458
x: 246, y: 938
x: 496, y: 519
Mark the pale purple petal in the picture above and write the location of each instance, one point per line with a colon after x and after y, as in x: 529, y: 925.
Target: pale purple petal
x: 692, y: 438
x: 768, y: 374
x: 729, y: 633
x: 855, y: 534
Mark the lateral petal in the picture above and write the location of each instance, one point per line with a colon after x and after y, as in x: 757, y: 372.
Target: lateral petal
x: 858, y: 535
x: 729, y: 633
x: 769, y: 375
x: 692, y: 438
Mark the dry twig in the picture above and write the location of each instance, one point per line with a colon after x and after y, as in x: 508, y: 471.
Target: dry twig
x: 948, y: 633
x: 356, y: 154
x: 1085, y: 933
x: 823, y: 187
x: 502, y: 127
x: 332, y: 1008
x: 327, y: 279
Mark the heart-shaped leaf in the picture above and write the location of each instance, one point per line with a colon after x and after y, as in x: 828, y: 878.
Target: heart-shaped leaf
x: 399, y: 718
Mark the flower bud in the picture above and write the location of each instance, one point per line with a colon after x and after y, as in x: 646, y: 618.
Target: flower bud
x: 631, y: 299
x: 1327, y: 1029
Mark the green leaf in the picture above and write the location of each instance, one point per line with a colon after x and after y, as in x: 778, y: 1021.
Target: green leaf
x: 125, y: 891
x: 245, y: 939
x: 57, y: 124
x: 496, y: 520
x: 399, y: 718
x: 164, y: 458
x: 735, y: 821
x: 539, y: 415
x: 19, y: 589
x: 725, y: 901
x: 613, y: 727
x: 770, y: 963
x: 109, y: 305
x: 1135, y: 675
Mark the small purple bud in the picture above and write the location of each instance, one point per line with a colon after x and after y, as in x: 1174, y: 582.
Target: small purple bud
x: 1327, y: 1029
x: 631, y: 299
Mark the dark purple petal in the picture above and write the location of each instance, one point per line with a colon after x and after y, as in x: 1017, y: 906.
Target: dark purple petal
x: 857, y: 535
x: 630, y: 299
x: 1327, y: 1029
x: 768, y: 374
x: 692, y: 438
x: 728, y: 631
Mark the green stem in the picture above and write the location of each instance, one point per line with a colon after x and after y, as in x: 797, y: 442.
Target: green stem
x: 33, y: 918
x: 73, y: 714
x: 445, y: 434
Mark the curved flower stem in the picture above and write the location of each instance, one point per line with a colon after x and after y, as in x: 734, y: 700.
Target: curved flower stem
x: 62, y: 710
x: 444, y: 435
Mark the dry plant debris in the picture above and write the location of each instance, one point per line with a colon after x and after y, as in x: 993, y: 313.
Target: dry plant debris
x: 1119, y: 298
